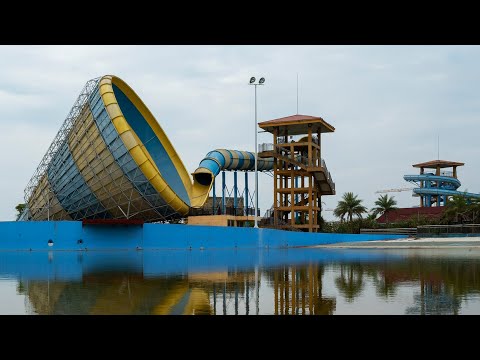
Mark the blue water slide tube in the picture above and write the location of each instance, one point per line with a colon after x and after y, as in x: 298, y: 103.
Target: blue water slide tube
x: 436, y: 191
x: 438, y: 185
x: 223, y: 159
x: 447, y: 182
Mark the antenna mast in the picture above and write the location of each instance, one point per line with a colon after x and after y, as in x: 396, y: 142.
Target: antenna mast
x: 297, y: 93
x: 438, y: 147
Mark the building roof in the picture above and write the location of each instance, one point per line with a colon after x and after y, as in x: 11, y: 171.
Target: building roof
x: 438, y: 163
x: 297, y: 125
x: 403, y: 214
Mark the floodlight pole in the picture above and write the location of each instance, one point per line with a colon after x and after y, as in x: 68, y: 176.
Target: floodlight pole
x: 48, y: 208
x: 256, y: 160
x: 262, y: 80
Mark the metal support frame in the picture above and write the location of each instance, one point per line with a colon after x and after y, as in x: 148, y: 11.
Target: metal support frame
x: 61, y: 137
x: 120, y: 198
x: 213, y: 197
x: 244, y: 197
x: 235, y: 190
x: 223, y: 193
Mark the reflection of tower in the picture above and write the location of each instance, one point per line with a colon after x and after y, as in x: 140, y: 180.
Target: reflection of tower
x: 226, y: 288
x: 434, y: 299
x: 299, y: 291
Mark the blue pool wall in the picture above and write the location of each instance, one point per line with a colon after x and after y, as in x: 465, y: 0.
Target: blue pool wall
x: 72, y: 235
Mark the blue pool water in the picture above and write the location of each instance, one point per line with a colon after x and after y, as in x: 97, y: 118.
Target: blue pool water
x: 299, y: 281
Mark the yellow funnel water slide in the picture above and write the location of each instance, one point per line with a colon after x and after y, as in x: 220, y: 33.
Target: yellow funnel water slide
x: 112, y: 160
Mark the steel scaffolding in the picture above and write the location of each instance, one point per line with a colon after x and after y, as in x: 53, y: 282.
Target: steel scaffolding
x: 82, y: 152
x: 61, y: 137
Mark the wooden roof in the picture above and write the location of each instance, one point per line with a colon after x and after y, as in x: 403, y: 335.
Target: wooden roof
x: 297, y: 125
x: 438, y: 163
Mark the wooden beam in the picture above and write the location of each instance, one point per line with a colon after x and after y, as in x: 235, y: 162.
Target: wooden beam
x: 275, y: 179
x: 302, y: 182
x: 292, y: 186
x: 288, y: 160
x: 310, y: 220
x: 310, y: 145
x: 297, y: 144
x: 298, y: 208
x: 295, y: 190
x: 319, y: 144
x: 295, y: 172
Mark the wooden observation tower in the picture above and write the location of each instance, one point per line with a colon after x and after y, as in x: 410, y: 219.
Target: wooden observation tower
x: 301, y: 176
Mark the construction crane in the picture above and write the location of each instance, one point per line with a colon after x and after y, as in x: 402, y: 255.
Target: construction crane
x: 393, y: 190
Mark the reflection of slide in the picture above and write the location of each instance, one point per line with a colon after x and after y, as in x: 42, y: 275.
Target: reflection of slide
x: 183, y: 300
x: 112, y: 160
x: 435, y: 185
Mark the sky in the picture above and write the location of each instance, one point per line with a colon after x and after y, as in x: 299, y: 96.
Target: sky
x: 389, y: 106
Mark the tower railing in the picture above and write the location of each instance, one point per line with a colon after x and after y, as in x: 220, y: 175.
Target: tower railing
x: 281, y: 140
x: 328, y: 175
x: 267, y: 147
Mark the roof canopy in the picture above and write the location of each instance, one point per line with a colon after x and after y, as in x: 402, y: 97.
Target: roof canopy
x: 297, y: 125
x: 438, y: 164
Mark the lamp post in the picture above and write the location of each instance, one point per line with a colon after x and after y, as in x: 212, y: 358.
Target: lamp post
x: 48, y: 203
x: 252, y: 82
x: 48, y: 207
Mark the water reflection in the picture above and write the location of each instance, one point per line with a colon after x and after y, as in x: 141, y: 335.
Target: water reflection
x: 303, y: 282
x: 350, y: 281
x: 298, y: 290
x: 118, y: 294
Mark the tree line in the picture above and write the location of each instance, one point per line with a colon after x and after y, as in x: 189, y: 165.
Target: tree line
x: 353, y: 215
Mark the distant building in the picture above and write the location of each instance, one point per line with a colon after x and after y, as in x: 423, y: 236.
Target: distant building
x: 404, y: 214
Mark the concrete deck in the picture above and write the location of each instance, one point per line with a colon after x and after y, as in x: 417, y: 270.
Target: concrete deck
x: 410, y: 243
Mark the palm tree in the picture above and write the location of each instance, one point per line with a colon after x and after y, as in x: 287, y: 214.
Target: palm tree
x: 349, y: 205
x: 20, y: 208
x: 460, y: 209
x: 384, y: 205
x: 371, y: 217
x: 350, y: 282
x: 475, y: 206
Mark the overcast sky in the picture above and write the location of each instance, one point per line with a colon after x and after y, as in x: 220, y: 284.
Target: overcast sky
x: 388, y: 105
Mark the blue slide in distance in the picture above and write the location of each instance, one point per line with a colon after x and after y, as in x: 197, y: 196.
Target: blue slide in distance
x: 435, y: 185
